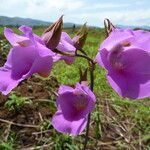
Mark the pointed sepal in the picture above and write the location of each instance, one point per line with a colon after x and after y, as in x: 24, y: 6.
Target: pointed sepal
x: 52, y: 34
x: 80, y: 38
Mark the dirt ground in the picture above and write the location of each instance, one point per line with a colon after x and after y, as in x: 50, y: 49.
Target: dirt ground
x: 27, y: 121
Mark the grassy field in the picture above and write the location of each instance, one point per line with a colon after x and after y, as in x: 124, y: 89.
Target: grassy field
x: 117, y: 124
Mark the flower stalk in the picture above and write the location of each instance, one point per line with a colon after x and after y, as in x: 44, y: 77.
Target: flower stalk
x: 92, y: 66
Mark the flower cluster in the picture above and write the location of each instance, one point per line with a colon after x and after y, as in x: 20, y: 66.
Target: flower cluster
x: 32, y: 54
x: 125, y: 54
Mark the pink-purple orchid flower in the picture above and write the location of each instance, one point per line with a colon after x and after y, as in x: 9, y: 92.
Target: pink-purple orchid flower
x: 125, y: 54
x: 74, y: 105
x: 28, y: 56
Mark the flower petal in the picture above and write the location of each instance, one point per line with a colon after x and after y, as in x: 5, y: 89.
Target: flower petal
x: 22, y: 60
x: 90, y: 98
x: 66, y: 37
x: 64, y: 46
x: 66, y: 103
x: 28, y: 30
x: 33, y: 60
x: 7, y: 83
x: 13, y: 38
x: 64, y: 88
x: 42, y: 66
x: 71, y: 127
x: 86, y: 90
x: 128, y: 68
x: 116, y: 37
x: 68, y: 60
x: 136, y: 61
x: 118, y: 83
x: 141, y: 39
x: 25, y: 29
x: 132, y: 86
x: 101, y: 58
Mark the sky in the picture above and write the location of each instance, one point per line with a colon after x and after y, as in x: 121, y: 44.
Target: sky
x: 120, y: 12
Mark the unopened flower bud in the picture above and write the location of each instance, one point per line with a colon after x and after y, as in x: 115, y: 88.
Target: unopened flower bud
x: 80, y: 38
x: 83, y: 75
x: 109, y: 27
x: 52, y: 34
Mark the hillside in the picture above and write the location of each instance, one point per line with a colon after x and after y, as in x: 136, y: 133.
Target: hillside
x: 17, y: 21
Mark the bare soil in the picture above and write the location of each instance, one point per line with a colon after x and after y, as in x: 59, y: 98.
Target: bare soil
x: 26, y: 122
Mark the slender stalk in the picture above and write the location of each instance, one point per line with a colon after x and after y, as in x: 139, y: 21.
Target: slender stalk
x: 84, y: 56
x: 87, y: 132
x: 82, y: 51
x: 92, y: 65
x: 74, y: 55
x: 92, y: 75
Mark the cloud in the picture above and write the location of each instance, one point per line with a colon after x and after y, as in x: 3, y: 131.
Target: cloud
x: 129, y: 12
x: 51, y: 8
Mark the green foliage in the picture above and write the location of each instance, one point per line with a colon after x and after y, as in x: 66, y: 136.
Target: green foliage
x: 45, y: 124
x: 64, y: 142
x: 96, y: 117
x: 9, y: 143
x: 4, y: 47
x: 6, y: 146
x: 147, y: 148
x: 15, y: 102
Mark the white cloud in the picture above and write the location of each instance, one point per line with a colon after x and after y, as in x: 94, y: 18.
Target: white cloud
x: 106, y: 5
x: 51, y: 8
x: 79, y: 11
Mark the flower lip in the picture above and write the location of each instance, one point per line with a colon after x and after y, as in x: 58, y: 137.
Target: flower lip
x: 74, y: 107
x: 77, y: 103
x: 80, y: 105
x: 81, y: 102
x: 115, y: 57
x: 126, y: 44
x: 24, y: 43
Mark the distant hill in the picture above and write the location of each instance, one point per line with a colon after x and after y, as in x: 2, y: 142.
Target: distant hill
x: 17, y: 21
x: 134, y: 27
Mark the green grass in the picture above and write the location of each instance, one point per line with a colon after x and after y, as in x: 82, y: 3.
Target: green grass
x: 15, y: 102
x: 127, y: 121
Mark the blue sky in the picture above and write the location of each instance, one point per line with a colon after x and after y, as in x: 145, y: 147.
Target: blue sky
x: 123, y: 12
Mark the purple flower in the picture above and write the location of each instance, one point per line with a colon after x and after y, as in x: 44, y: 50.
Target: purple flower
x: 28, y: 56
x: 65, y: 45
x: 74, y: 105
x: 125, y: 54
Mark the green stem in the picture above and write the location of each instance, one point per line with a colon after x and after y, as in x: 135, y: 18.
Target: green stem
x: 89, y: 115
x: 87, y: 132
